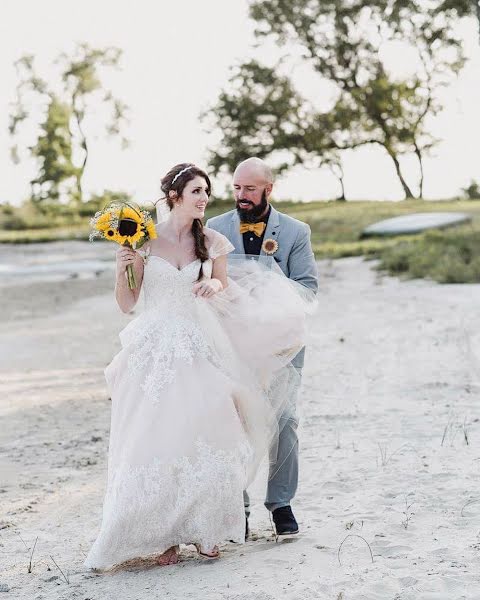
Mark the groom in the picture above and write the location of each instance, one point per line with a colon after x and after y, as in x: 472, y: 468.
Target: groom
x: 255, y: 226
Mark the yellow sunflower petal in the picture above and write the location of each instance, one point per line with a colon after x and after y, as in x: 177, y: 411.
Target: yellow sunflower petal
x: 129, y: 213
x: 152, y: 232
x: 120, y: 239
x: 103, y: 222
x: 133, y: 239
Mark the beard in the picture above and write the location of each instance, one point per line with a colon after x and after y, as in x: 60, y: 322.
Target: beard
x: 252, y: 215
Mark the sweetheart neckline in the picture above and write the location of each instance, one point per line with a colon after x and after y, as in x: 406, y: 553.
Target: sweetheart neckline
x: 170, y: 264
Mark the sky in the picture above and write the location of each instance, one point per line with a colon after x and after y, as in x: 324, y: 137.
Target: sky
x: 176, y: 59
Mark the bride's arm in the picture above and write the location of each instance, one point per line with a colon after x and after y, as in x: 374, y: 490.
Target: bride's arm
x: 219, y: 270
x: 127, y: 298
x: 216, y: 283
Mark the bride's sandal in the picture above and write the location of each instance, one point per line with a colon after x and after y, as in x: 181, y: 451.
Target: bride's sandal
x: 169, y: 557
x: 209, y: 554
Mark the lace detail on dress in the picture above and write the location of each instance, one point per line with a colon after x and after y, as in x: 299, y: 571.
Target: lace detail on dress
x: 168, y: 330
x: 161, y: 493
x: 158, y: 345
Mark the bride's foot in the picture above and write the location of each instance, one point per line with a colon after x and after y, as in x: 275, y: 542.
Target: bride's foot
x: 169, y: 557
x: 212, y: 553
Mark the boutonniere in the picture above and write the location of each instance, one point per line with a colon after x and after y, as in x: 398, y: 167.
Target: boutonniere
x: 270, y: 246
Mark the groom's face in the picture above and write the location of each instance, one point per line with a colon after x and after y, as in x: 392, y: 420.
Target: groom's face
x: 251, y: 191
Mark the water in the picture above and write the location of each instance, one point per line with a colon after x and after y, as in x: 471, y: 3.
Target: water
x: 53, y: 261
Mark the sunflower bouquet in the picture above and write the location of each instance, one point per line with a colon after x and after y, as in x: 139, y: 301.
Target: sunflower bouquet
x: 126, y: 224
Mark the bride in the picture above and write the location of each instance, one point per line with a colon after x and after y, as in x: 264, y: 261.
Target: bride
x: 193, y: 411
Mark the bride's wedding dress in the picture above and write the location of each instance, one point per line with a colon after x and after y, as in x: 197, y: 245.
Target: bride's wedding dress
x: 191, y: 418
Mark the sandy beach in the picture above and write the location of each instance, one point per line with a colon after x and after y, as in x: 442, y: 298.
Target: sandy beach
x: 389, y: 495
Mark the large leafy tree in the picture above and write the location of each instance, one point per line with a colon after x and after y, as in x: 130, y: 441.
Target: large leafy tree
x: 342, y: 42
x: 62, y: 145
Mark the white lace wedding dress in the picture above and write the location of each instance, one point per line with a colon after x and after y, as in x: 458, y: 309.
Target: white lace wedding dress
x: 190, y: 414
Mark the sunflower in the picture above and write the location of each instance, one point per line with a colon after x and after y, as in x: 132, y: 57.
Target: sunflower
x: 113, y: 235
x: 270, y: 246
x: 130, y: 225
x: 127, y: 225
x: 103, y: 221
x: 129, y: 231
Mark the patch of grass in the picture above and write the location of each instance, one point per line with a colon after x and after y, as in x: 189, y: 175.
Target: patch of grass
x: 450, y: 256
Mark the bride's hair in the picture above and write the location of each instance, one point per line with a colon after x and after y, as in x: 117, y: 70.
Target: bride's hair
x: 176, y: 180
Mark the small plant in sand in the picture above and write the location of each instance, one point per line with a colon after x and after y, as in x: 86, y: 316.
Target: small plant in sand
x: 385, y: 455
x: 349, y: 536
x: 65, y: 577
x: 465, y: 431
x: 407, y: 511
x: 27, y: 549
x: 352, y: 524
x: 29, y: 570
x: 451, y: 430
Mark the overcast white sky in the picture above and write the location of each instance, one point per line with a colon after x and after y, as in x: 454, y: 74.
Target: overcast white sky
x: 176, y: 59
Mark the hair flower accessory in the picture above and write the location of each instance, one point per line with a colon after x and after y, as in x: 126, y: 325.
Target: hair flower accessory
x: 270, y: 246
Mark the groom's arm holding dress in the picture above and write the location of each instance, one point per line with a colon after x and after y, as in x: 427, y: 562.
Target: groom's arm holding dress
x: 301, y: 267
x: 301, y: 260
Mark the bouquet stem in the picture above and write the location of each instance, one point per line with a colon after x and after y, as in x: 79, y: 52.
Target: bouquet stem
x: 132, y: 282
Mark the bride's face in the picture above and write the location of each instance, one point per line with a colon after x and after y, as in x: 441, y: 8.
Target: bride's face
x: 194, y: 199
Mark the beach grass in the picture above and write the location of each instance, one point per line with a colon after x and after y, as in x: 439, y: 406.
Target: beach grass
x: 447, y: 256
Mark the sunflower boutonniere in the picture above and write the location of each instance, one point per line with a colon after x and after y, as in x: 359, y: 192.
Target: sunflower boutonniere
x: 270, y: 246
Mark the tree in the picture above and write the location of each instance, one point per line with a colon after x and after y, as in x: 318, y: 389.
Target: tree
x: 472, y: 192
x: 342, y: 42
x: 62, y: 147
x: 53, y: 150
x: 461, y: 8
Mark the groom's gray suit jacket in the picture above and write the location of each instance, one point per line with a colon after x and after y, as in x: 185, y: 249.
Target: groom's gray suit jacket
x: 294, y: 255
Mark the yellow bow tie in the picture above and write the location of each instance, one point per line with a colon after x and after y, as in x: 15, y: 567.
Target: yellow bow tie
x: 257, y: 228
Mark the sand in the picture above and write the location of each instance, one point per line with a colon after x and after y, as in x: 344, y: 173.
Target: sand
x: 390, y: 400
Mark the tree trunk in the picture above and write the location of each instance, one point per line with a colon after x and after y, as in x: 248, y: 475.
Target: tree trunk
x: 477, y: 8
x: 83, y: 143
x: 341, y: 198
x: 406, y: 189
x: 340, y: 175
x: 418, y: 152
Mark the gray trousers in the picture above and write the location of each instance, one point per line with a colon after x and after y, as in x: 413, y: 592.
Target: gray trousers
x: 283, y: 475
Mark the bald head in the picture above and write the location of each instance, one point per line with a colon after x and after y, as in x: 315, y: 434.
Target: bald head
x: 256, y: 168
x: 252, y: 186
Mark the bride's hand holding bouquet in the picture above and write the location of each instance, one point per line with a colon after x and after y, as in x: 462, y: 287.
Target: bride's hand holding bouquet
x: 129, y: 226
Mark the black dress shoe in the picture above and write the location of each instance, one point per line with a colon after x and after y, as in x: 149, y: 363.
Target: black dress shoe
x: 285, y: 523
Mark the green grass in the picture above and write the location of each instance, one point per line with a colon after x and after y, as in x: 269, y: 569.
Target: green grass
x: 447, y: 256
x: 47, y: 234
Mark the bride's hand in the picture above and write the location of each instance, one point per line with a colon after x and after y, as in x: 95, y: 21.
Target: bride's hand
x: 207, y: 288
x: 125, y: 256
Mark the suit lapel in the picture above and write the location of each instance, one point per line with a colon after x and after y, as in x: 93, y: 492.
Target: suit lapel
x: 273, y: 227
x: 234, y: 235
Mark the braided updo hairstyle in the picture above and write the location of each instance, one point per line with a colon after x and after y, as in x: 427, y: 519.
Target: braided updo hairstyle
x: 173, y: 182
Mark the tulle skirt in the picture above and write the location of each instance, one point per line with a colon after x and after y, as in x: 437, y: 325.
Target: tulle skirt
x: 196, y: 397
